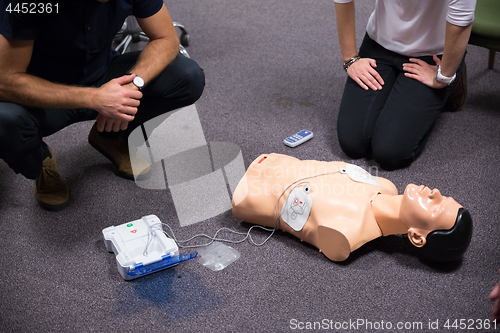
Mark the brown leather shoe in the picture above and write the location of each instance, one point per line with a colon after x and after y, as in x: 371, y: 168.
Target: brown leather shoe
x: 51, y: 190
x: 117, y: 151
x: 459, y: 94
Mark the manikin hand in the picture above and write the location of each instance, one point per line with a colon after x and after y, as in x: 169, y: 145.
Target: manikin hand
x: 495, y: 296
x: 364, y: 73
x: 420, y: 70
x: 118, y: 104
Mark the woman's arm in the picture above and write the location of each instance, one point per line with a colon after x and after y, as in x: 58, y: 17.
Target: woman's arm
x: 456, y: 40
x: 455, y: 43
x: 362, y: 71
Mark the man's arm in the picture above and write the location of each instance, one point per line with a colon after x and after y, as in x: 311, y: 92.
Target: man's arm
x: 362, y: 71
x: 162, y: 48
x: 17, y: 86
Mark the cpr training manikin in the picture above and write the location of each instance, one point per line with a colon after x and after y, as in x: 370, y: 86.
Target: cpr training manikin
x: 339, y: 207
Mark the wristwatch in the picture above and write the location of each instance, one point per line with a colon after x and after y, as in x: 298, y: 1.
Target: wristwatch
x: 138, y: 82
x: 441, y: 78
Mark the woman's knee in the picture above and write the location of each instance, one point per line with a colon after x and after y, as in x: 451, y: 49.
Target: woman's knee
x: 352, y: 139
x: 352, y: 146
x: 392, y: 155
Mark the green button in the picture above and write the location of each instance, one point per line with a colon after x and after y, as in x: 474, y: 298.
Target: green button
x: 130, y: 225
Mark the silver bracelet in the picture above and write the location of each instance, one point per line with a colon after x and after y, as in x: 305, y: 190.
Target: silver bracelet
x: 351, y: 61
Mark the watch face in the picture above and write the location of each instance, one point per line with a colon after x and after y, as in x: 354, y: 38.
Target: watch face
x: 139, y: 82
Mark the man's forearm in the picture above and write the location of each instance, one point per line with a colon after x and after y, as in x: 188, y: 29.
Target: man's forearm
x: 456, y: 41
x: 155, y: 57
x: 346, y: 17
x: 32, y: 91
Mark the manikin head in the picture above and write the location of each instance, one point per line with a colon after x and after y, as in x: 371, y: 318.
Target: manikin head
x: 439, y: 228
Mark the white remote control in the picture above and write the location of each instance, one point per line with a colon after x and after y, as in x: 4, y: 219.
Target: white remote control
x: 298, y: 138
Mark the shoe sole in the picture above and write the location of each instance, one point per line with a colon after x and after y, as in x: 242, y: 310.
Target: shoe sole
x: 118, y: 172
x: 53, y: 208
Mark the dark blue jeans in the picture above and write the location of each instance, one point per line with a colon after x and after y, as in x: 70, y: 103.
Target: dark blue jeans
x: 390, y: 125
x: 22, y: 129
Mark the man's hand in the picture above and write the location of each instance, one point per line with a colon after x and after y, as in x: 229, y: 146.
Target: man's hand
x: 495, y: 296
x: 116, y: 100
x: 107, y: 124
x: 364, y: 73
x: 421, y: 71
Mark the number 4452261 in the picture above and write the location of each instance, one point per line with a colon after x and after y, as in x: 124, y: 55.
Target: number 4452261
x: 33, y: 8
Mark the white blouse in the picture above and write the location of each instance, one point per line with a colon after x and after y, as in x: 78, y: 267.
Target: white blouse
x: 416, y: 27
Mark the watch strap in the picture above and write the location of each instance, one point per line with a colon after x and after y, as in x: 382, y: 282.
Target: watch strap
x: 441, y: 78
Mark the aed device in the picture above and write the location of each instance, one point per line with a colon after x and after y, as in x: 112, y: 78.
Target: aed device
x: 141, y: 247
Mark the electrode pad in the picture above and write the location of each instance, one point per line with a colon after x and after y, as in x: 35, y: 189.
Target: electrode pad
x: 297, y: 207
x: 359, y: 174
x: 217, y: 256
x: 142, y: 248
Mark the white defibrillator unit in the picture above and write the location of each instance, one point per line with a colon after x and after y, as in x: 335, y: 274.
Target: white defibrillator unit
x: 141, y: 247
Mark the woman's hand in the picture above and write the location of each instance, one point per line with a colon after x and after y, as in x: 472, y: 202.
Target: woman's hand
x: 421, y: 71
x: 495, y: 296
x: 364, y: 73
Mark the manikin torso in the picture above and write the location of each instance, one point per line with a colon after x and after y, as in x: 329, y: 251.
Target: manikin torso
x: 341, y: 217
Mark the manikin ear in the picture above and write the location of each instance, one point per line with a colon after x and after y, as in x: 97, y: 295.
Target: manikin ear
x: 416, y: 237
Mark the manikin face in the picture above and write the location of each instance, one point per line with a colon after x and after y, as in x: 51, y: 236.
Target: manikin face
x: 424, y: 210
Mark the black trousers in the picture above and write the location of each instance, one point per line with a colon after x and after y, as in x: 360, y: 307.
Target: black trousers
x: 22, y: 129
x: 393, y: 124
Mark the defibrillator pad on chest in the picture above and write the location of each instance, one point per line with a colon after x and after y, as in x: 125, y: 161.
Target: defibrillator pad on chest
x: 297, y: 208
x: 359, y: 174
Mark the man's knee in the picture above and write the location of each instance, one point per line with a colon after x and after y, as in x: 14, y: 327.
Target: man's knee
x: 183, y: 80
x: 15, y: 124
x: 195, y: 77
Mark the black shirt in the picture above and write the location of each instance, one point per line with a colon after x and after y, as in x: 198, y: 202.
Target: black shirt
x: 73, y: 47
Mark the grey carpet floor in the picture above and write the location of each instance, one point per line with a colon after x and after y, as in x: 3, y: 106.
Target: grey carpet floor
x: 272, y: 68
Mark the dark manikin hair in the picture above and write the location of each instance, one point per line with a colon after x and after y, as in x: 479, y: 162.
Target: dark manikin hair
x: 447, y: 245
